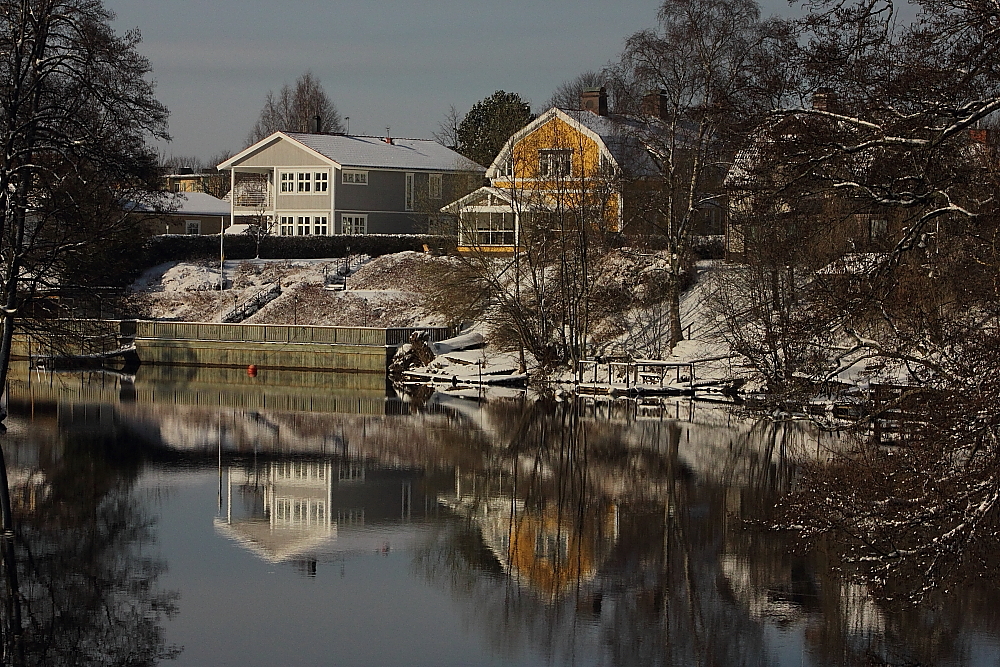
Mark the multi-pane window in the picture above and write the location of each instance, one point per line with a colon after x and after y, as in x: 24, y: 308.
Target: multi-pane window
x: 303, y: 182
x: 304, y: 225
x: 434, y: 188
x: 192, y: 227
x: 354, y: 177
x: 485, y: 229
x: 409, y: 192
x: 287, y: 182
x: 554, y: 163
x: 354, y: 224
x: 320, y: 181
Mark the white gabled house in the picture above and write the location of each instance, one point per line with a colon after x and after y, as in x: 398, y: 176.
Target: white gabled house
x: 321, y: 184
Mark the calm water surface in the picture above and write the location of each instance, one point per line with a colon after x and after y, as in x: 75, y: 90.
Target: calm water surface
x: 298, y: 520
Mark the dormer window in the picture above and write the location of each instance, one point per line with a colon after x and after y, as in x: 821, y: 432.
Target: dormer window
x: 555, y: 163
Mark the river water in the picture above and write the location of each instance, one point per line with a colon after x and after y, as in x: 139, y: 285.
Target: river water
x: 225, y: 520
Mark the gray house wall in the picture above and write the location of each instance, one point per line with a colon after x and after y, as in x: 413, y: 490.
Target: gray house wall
x: 386, y: 191
x: 384, y: 199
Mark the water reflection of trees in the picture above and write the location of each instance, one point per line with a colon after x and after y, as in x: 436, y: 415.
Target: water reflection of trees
x: 87, y: 591
x: 668, y: 555
x: 635, y: 579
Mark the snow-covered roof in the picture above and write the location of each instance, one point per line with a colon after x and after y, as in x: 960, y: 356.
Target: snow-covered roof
x: 487, y: 196
x: 198, y: 203
x: 503, y: 197
x: 187, y: 203
x: 371, y: 152
x: 855, y: 263
x: 789, y: 131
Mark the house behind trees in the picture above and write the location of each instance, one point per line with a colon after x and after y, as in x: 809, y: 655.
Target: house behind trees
x: 586, y: 162
x: 781, y: 199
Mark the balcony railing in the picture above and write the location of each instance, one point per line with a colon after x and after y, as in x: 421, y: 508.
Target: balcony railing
x: 253, y: 192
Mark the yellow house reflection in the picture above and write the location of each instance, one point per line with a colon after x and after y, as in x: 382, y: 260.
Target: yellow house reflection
x: 549, y: 547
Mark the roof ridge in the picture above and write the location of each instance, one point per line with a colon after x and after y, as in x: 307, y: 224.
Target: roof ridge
x: 360, y: 136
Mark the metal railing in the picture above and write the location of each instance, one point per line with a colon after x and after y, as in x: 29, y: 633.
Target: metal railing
x: 250, y: 306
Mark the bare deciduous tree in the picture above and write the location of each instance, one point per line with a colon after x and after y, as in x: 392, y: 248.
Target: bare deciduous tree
x: 694, y: 83
x: 902, y: 143
x: 294, y: 109
x: 76, y: 108
x: 567, y: 94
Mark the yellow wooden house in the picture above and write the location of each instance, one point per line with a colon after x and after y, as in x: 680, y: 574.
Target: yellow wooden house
x: 564, y: 164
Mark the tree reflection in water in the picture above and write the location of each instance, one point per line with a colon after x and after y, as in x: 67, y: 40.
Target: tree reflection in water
x: 598, y: 543
x: 87, y: 590
x: 650, y: 543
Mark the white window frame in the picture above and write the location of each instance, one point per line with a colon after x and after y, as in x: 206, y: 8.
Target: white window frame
x: 321, y: 181
x: 287, y: 226
x: 877, y: 228
x: 354, y: 177
x: 303, y: 225
x: 356, y: 221
x: 303, y: 182
x: 287, y: 180
x: 320, y: 225
x: 555, y: 162
x: 408, y: 197
x: 435, y: 186
x: 188, y: 226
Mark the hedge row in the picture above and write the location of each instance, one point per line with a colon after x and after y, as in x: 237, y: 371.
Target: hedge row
x: 182, y: 247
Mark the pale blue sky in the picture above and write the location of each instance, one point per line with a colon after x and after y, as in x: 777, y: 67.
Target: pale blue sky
x: 393, y: 63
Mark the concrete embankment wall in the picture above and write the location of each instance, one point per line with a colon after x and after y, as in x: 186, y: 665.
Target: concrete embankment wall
x: 288, y: 347
x: 209, y: 387
x: 267, y: 346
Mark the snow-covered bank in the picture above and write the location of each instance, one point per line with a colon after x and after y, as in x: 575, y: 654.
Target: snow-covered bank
x: 392, y: 290
x: 385, y: 291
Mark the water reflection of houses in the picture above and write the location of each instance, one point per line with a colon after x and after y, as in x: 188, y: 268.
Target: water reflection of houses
x: 545, y: 545
x: 312, y: 511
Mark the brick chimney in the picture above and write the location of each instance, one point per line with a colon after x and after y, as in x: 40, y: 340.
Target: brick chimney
x: 978, y: 135
x: 654, y: 103
x: 594, y: 100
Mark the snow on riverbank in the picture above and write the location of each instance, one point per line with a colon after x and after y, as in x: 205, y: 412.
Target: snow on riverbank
x: 383, y: 292
x: 389, y: 291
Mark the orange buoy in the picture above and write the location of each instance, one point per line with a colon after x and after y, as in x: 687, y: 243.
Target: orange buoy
x: 252, y: 370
